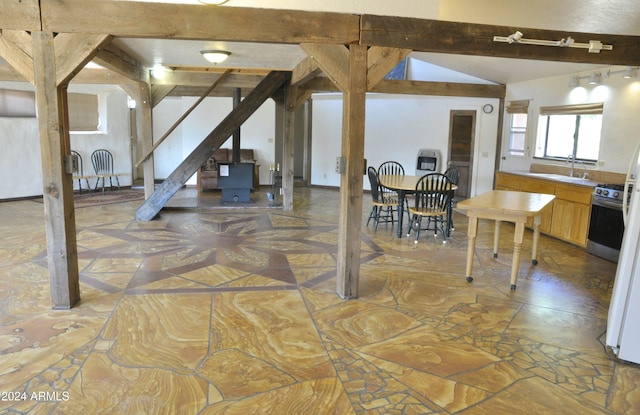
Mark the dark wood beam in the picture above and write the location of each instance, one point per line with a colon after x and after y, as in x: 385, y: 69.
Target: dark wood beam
x: 350, y: 221
x: 381, y: 61
x: 212, y: 142
x: 304, y: 71
x: 199, y: 21
x: 59, y: 221
x: 477, y: 39
x: 444, y: 89
x: 333, y: 60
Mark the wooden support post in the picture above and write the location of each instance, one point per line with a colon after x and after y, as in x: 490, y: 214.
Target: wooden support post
x: 288, y: 148
x: 60, y: 223
x: 141, y: 92
x: 350, y: 222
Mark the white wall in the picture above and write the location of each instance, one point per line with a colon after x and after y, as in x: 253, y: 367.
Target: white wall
x: 20, y: 162
x: 397, y: 126
x: 620, y: 119
x: 257, y: 133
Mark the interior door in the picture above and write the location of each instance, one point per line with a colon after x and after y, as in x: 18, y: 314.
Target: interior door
x: 462, y: 127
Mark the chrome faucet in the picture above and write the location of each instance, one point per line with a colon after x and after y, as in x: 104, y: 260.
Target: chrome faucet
x: 571, y: 160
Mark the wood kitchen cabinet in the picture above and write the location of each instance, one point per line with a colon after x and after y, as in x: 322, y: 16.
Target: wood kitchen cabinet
x: 567, y: 217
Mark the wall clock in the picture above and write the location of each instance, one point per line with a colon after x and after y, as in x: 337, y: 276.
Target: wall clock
x: 487, y: 108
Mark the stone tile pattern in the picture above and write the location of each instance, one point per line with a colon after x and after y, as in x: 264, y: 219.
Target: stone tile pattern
x: 207, y: 311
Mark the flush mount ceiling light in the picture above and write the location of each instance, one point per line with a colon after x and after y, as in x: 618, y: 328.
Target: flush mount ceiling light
x: 594, y: 46
x: 215, y: 56
x: 216, y: 2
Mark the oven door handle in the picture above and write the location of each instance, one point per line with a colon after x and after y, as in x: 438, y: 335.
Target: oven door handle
x: 606, y: 203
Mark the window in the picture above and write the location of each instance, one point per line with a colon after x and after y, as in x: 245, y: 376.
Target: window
x: 572, y: 130
x: 517, y: 134
x: 83, y: 112
x: 518, y: 111
x: 17, y: 103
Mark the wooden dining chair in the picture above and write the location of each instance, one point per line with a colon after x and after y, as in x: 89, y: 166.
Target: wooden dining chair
x: 432, y: 197
x: 102, y: 161
x: 452, y: 174
x: 382, y: 207
x: 395, y: 169
x: 78, y: 171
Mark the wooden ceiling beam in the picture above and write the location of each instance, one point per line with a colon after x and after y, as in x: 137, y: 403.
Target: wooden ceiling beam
x: 159, y: 92
x: 333, y: 60
x: 204, y: 79
x: 477, y: 39
x: 305, y: 71
x: 16, y: 48
x: 7, y: 73
x: 199, y: 21
x: 115, y: 59
x: 73, y: 52
x: 444, y: 89
x: 20, y: 15
x: 380, y: 61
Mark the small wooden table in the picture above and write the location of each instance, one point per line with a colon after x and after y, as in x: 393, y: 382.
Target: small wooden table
x: 405, y: 185
x: 501, y: 205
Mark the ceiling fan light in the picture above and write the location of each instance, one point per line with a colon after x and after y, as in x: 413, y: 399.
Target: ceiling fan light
x: 215, y: 56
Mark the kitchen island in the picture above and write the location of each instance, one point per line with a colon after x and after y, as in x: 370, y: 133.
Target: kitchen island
x: 511, y: 206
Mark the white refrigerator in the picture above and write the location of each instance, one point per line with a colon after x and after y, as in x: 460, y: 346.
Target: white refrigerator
x: 623, y: 324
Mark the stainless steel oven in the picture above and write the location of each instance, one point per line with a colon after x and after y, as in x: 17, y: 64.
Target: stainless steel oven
x: 606, y: 225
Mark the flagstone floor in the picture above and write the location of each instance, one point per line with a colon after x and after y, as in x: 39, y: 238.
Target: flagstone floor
x: 234, y: 311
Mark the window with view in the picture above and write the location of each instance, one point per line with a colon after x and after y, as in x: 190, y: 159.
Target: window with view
x: 518, y: 112
x: 569, y: 131
x: 517, y: 134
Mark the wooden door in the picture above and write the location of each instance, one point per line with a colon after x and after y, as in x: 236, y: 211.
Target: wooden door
x: 462, y: 127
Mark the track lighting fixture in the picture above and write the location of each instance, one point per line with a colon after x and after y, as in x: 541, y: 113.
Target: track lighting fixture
x: 596, y: 78
x: 594, y: 46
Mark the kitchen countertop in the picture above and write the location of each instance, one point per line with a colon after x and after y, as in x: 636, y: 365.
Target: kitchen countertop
x: 554, y: 177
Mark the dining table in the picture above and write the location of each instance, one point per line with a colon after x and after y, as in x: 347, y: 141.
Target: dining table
x: 405, y: 185
x: 510, y: 206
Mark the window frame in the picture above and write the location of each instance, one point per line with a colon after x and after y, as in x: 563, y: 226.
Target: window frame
x: 515, y: 108
x: 545, y: 123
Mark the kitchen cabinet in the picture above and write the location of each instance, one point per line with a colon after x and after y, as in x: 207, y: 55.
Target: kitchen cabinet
x: 567, y: 217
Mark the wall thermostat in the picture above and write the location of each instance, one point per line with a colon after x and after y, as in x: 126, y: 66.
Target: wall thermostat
x: 487, y: 108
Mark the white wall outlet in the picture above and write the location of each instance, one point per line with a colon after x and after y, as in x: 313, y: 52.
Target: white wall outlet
x: 340, y: 165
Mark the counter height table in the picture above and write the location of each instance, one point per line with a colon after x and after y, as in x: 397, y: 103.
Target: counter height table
x: 405, y: 185
x: 510, y: 206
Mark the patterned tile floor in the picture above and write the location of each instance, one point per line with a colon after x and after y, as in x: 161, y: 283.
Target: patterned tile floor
x: 209, y: 311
